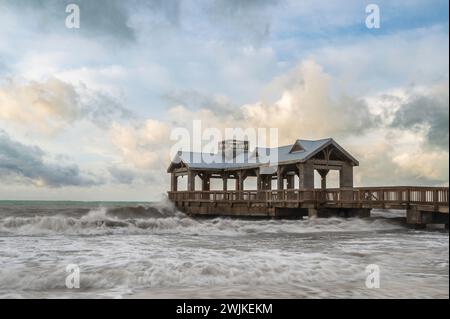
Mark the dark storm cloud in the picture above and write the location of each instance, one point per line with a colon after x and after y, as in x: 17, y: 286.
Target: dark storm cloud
x: 125, y: 175
x: 430, y: 111
x: 121, y: 21
x: 108, y: 18
x: 26, y: 163
x: 101, y: 109
x: 121, y: 175
x: 242, y: 20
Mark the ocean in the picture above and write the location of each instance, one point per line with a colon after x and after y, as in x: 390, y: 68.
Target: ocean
x: 150, y: 250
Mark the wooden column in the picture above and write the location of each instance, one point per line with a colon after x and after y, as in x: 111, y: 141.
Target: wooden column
x: 266, y: 182
x: 346, y: 176
x: 173, y: 182
x: 259, y: 186
x: 240, y: 183
x: 346, y: 182
x: 258, y: 180
x: 205, y: 185
x: 225, y: 182
x: 280, y: 181
x: 305, y: 175
x: 206, y: 182
x: 241, y: 178
x: 306, y: 180
x: 191, y: 181
x: 290, y: 179
x: 290, y: 185
x: 323, y: 174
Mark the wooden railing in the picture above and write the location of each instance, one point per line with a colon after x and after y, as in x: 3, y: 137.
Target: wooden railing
x: 398, y: 195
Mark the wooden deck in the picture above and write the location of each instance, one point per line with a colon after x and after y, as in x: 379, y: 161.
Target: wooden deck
x: 431, y: 199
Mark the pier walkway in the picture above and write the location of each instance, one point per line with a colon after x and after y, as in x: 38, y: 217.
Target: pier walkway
x: 423, y: 204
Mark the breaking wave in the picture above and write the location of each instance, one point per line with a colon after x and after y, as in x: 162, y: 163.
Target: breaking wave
x: 164, y: 218
x: 154, y: 251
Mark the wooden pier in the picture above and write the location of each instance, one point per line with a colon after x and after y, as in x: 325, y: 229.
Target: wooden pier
x: 424, y: 205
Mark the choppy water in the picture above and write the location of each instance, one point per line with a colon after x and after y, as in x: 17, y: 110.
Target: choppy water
x: 152, y: 251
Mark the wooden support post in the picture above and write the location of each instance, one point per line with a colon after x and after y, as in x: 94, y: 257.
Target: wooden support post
x: 191, y: 181
x: 305, y: 175
x: 323, y: 174
x: 205, y: 185
x: 346, y: 176
x: 241, y: 178
x: 290, y: 179
x: 267, y: 182
x: 280, y: 181
x: 259, y: 187
x: 258, y: 180
x: 240, y: 183
x: 436, y: 199
x: 173, y: 182
x: 225, y: 182
x: 205, y: 182
x: 191, y: 184
x: 346, y: 182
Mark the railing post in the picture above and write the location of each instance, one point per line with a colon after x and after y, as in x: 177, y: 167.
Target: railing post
x: 436, y: 199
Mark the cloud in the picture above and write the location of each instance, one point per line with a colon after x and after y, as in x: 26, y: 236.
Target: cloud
x: 194, y: 99
x: 429, y: 112
x: 24, y: 164
x: 306, y: 108
x: 108, y: 19
x: 241, y: 21
x: 51, y: 105
x: 432, y: 166
x: 143, y: 145
x: 126, y: 174
x: 122, y: 175
x: 392, y: 158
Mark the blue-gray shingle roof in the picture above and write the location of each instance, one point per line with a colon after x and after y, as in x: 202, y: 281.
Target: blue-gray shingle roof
x: 308, y: 148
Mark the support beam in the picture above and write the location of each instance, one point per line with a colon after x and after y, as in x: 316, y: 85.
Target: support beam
x: 206, y: 182
x: 346, y: 182
x: 240, y: 180
x: 323, y: 174
x: 258, y: 180
x: 225, y: 182
x: 290, y: 180
x: 266, y: 182
x: 306, y: 175
x: 280, y: 181
x: 420, y: 218
x: 205, y: 185
x: 173, y: 182
x: 346, y: 176
x: 191, y: 181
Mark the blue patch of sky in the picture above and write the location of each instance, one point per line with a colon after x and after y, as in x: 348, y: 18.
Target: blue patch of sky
x: 395, y: 17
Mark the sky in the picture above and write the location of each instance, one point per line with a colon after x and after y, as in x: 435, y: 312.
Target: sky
x: 87, y: 113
